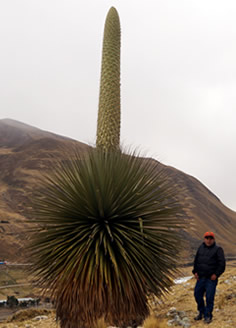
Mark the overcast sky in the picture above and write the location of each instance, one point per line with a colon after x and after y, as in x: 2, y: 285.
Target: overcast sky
x: 178, y: 77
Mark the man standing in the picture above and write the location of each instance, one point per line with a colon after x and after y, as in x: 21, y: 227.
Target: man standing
x: 209, y: 264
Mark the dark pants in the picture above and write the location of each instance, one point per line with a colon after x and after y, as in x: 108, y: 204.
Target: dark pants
x: 208, y: 286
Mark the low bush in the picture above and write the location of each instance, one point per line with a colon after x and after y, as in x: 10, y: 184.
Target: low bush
x: 29, y: 314
x: 153, y: 322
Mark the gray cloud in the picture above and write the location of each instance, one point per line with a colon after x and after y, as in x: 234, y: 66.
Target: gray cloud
x: 178, y: 77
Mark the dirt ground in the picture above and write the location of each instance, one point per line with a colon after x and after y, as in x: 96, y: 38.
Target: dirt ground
x: 180, y: 297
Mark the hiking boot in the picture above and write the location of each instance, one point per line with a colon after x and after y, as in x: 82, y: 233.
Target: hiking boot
x: 198, y: 317
x: 208, y: 319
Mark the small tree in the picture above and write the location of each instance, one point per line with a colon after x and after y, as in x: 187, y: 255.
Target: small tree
x: 12, y: 301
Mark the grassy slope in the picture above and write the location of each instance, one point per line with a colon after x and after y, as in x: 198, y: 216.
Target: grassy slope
x: 15, y: 275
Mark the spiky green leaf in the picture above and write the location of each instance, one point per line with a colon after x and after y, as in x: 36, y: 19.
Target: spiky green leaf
x: 107, y: 236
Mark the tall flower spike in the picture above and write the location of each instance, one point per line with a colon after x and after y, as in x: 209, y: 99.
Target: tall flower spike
x: 108, y: 124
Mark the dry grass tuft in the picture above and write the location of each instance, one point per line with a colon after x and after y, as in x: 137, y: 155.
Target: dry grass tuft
x: 221, y: 301
x: 153, y: 322
x: 23, y: 315
x: 100, y: 323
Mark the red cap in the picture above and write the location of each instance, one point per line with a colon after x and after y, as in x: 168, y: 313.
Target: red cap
x: 209, y: 234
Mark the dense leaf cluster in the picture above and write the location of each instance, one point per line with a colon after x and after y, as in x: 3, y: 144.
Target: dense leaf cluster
x: 108, y: 236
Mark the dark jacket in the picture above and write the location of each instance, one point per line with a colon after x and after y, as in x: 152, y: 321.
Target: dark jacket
x: 209, y: 260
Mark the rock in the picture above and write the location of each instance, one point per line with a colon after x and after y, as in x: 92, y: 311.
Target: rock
x: 172, y: 309
x: 40, y: 317
x: 179, y: 318
x: 185, y: 319
x: 185, y: 322
x: 170, y: 322
x: 172, y: 312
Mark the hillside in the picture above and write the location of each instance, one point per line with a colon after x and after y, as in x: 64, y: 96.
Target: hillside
x: 26, y: 152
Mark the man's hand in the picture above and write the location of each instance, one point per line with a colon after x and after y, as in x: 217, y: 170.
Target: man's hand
x: 196, y: 276
x: 213, y: 277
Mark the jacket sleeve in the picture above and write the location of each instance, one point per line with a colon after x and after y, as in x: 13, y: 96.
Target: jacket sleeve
x: 220, y: 262
x: 195, y: 263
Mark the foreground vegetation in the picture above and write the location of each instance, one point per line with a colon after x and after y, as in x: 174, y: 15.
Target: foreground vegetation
x: 180, y: 297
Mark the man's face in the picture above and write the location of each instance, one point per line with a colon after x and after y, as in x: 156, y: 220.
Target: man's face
x: 209, y: 241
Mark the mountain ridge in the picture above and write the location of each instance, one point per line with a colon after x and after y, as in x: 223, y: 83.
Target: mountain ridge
x: 27, y: 152
x: 14, y: 133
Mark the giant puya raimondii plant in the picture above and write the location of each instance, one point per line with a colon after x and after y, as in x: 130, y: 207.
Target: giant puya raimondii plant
x: 107, y: 221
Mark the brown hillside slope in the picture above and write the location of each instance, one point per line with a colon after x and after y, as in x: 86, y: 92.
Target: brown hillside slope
x: 26, y: 152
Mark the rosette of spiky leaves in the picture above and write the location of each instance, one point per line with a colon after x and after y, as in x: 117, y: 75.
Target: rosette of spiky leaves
x: 108, y: 123
x: 107, y: 238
